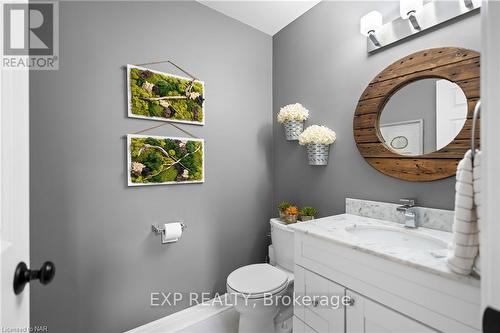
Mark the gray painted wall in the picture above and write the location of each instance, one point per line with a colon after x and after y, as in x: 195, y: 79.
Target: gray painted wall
x: 85, y: 218
x: 320, y: 60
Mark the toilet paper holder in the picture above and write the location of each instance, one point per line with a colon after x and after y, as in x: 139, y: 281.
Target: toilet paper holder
x: 160, y: 230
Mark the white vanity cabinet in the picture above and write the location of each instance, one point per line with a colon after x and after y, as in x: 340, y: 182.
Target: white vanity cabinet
x: 361, y: 315
x: 389, y: 296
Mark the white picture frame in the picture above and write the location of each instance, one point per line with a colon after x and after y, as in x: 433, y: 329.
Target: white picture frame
x: 129, y: 98
x: 130, y: 183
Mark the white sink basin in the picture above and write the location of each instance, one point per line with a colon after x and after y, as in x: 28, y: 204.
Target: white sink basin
x: 396, y: 237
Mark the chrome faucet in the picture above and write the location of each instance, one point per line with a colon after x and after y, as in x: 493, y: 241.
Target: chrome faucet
x: 407, y: 209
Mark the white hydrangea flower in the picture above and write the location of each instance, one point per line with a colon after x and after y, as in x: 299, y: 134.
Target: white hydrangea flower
x: 148, y: 86
x: 318, y: 135
x: 293, y: 112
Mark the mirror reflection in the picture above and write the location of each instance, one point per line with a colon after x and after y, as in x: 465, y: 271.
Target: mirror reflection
x: 423, y: 117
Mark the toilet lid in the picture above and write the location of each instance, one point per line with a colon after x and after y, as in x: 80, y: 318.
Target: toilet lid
x: 257, y: 279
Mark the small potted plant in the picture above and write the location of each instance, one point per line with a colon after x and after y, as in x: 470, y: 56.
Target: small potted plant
x: 282, y: 207
x: 292, y: 116
x: 291, y: 214
x: 318, y: 140
x: 307, y: 213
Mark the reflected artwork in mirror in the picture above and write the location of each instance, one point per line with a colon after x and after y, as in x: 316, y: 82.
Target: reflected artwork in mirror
x: 423, y: 116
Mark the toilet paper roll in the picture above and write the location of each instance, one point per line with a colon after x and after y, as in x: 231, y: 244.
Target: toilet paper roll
x: 172, y: 233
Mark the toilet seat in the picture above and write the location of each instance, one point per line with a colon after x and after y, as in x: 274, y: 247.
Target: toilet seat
x: 254, y: 281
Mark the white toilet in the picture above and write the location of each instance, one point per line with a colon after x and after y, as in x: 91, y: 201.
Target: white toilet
x: 253, y: 286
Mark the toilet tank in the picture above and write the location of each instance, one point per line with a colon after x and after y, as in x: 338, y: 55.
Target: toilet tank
x: 283, y: 244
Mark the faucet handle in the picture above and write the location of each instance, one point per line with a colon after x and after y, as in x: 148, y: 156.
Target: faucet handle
x: 410, y: 202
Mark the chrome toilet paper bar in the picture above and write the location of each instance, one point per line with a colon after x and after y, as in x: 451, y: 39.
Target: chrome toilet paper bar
x: 159, y: 229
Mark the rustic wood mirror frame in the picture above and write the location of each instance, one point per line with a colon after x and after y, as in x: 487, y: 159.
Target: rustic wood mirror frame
x: 457, y: 65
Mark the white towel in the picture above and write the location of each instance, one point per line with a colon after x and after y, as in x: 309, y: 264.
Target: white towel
x: 465, y: 244
x: 477, y: 200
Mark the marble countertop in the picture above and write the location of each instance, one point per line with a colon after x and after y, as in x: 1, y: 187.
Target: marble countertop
x: 335, y: 229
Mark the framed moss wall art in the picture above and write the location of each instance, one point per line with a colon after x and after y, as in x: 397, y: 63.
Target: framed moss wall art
x: 166, y: 97
x: 160, y: 160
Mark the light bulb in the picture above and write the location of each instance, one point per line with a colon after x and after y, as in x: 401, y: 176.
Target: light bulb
x: 370, y: 22
x: 408, y: 7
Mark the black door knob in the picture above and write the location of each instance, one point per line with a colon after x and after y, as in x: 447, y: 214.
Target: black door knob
x: 491, y: 321
x: 23, y: 275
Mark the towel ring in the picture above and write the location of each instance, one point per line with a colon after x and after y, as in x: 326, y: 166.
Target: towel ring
x: 477, y: 111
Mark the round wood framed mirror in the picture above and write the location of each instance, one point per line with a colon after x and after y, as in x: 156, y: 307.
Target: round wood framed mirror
x: 395, y: 148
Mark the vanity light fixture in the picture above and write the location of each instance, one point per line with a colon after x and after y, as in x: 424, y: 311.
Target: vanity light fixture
x: 369, y: 24
x: 408, y: 10
x: 422, y: 17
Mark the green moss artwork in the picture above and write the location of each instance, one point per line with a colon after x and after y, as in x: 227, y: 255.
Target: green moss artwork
x: 158, y: 160
x: 167, y: 97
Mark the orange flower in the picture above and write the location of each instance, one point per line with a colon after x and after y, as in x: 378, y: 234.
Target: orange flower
x: 292, y: 210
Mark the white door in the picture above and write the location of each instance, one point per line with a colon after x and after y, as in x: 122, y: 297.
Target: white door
x: 451, y: 112
x: 367, y: 316
x: 490, y: 137
x: 14, y: 194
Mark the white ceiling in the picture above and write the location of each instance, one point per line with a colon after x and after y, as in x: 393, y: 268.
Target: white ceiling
x: 267, y: 16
